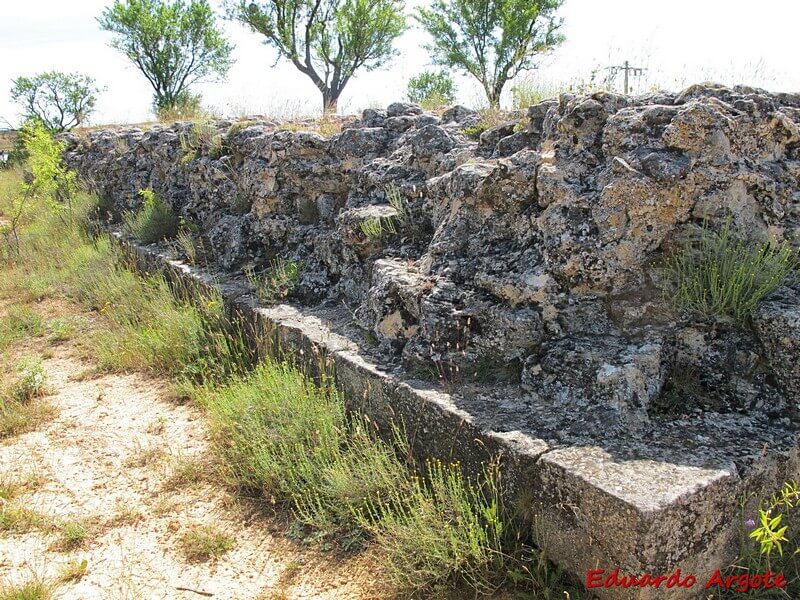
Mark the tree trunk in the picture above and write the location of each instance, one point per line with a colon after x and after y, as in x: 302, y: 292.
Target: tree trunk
x: 495, y: 92
x: 330, y: 101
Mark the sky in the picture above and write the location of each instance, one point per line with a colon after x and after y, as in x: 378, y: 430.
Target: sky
x: 679, y: 42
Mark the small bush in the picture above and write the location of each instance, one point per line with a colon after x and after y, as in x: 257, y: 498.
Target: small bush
x: 446, y: 528
x: 770, y: 540
x: 723, y: 276
x: 528, y: 92
x: 431, y: 90
x: 205, y: 543
x: 273, y: 427
x: 155, y: 221
x: 374, y: 228
x: 18, y: 519
x: 187, y: 246
x: 49, y: 179
x: 17, y: 418
x: 279, y: 434
x: 31, y: 384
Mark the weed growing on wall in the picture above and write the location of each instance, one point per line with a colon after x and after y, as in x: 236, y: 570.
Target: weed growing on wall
x: 154, y: 222
x: 725, y: 276
x: 277, y: 282
x: 374, y: 228
x: 201, y: 136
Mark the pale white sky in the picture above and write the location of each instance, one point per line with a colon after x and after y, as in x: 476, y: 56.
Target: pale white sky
x: 679, y: 41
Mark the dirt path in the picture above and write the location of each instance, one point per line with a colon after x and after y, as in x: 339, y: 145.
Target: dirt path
x: 133, y: 469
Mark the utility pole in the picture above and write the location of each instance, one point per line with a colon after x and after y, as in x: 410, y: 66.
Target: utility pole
x: 629, y: 70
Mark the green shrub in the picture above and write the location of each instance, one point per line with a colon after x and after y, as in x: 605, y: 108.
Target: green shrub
x: 528, y: 92
x: 273, y: 427
x: 17, y: 417
x: 374, y: 228
x: 446, y: 527
x: 186, y: 244
x: 279, y: 434
x: 49, y: 178
x: 724, y: 276
x: 431, y: 90
x: 155, y: 221
x: 770, y: 540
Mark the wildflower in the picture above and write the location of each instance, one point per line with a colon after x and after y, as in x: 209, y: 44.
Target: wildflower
x: 750, y: 524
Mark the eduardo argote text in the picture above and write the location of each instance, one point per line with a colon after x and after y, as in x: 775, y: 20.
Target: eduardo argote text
x: 600, y: 578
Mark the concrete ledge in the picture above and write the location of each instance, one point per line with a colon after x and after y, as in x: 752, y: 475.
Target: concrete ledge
x: 598, y: 498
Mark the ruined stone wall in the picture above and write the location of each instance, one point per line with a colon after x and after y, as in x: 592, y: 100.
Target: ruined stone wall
x: 530, y: 255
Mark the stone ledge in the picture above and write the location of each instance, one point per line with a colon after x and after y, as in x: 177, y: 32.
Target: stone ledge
x: 598, y: 497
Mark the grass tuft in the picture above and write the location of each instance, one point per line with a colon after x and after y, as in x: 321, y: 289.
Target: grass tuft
x: 34, y: 589
x: 205, y: 543
x: 19, y: 519
x: 280, y: 435
x: 72, y: 535
x: 20, y: 322
x: 73, y: 571
x: 17, y: 418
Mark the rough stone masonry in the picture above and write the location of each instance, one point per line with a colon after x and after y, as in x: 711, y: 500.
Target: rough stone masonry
x: 520, y: 276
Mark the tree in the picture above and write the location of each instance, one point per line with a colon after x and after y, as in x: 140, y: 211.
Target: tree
x: 327, y: 40
x: 59, y: 101
x: 431, y: 89
x: 492, y: 40
x: 174, y: 44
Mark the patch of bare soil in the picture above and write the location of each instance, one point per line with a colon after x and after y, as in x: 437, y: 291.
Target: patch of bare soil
x: 134, y: 470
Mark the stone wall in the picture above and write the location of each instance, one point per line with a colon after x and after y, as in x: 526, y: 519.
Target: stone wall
x: 530, y: 254
x: 517, y: 296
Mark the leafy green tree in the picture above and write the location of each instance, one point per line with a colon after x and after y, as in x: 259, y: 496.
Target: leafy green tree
x: 174, y: 44
x: 327, y: 40
x: 492, y: 40
x: 59, y: 101
x: 431, y: 89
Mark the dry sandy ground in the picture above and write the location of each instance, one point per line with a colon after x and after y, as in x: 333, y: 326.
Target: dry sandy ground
x: 136, y: 467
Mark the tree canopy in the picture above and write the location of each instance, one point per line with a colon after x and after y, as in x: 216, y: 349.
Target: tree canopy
x: 327, y: 40
x: 174, y: 44
x: 492, y: 40
x: 431, y: 89
x: 59, y: 101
